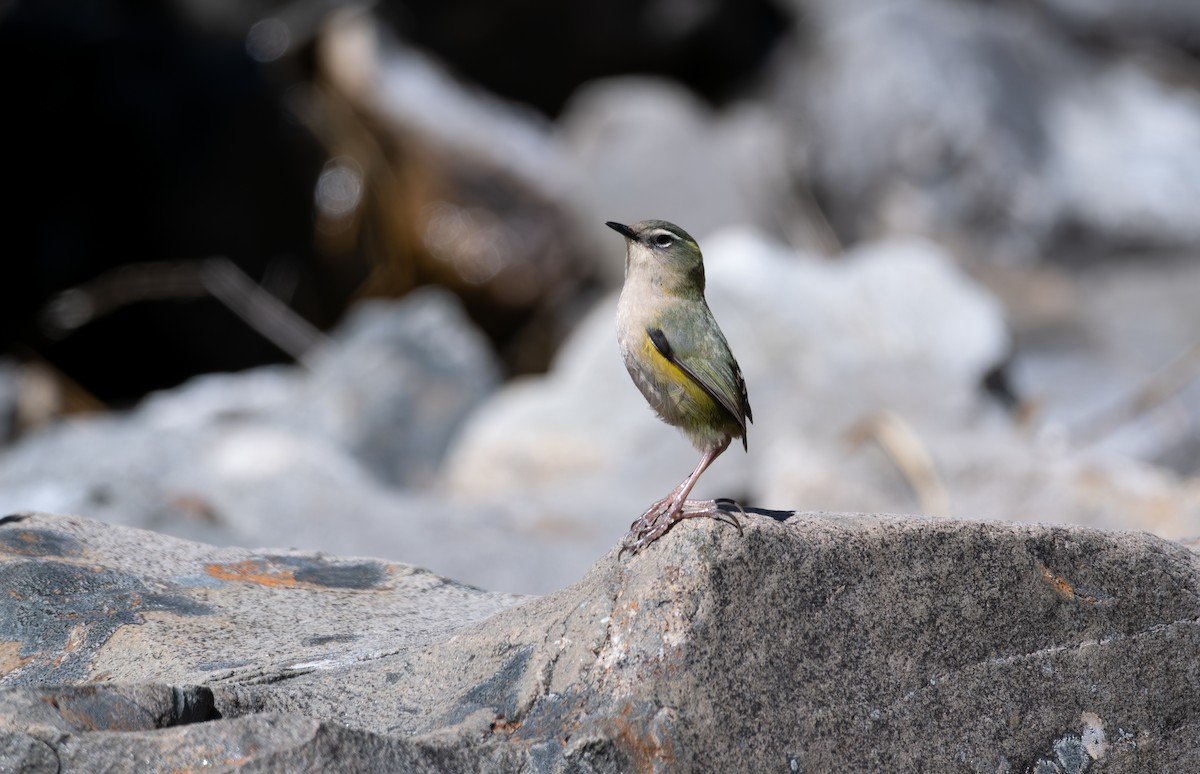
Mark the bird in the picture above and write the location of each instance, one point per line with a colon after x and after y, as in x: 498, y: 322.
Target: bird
x: 679, y: 359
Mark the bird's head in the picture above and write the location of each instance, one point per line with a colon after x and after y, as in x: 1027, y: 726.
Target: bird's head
x: 663, y: 253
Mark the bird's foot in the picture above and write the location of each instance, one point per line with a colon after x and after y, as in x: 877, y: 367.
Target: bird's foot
x: 648, y: 522
x: 666, y: 513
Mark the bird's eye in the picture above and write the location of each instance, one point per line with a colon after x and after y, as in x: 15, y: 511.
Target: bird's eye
x: 663, y: 240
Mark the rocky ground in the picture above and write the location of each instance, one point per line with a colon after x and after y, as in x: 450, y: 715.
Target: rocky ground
x: 813, y: 642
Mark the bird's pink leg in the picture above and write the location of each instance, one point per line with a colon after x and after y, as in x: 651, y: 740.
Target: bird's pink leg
x: 675, y: 507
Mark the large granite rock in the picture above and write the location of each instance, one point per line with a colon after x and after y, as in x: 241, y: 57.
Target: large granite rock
x: 815, y: 642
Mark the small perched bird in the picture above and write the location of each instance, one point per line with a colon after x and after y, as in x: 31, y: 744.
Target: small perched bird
x: 680, y: 360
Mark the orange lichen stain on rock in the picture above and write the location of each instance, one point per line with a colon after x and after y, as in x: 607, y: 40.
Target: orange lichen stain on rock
x: 255, y: 571
x: 636, y: 735
x: 303, y: 573
x: 39, y: 543
x: 1062, y: 587
x: 75, y: 638
x: 11, y: 658
x: 1066, y: 590
x: 502, y: 725
x: 23, y: 542
x: 624, y: 613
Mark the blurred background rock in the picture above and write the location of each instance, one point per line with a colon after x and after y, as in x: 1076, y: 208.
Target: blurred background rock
x: 335, y: 275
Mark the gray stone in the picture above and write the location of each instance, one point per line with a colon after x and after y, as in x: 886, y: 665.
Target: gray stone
x: 399, y: 383
x: 815, y: 642
x: 621, y: 137
x: 1089, y: 374
x: 390, y: 388
x: 925, y: 117
x: 305, y: 457
x: 988, y: 126
x: 1168, y: 21
x: 1126, y: 157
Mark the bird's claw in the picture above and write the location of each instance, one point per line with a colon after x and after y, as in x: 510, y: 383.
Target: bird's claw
x: 660, y: 517
x: 720, y: 505
x: 638, y: 536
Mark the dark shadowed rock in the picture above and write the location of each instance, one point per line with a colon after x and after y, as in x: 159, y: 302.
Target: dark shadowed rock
x: 816, y: 642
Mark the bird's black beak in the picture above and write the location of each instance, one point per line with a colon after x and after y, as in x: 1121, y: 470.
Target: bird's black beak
x: 622, y: 229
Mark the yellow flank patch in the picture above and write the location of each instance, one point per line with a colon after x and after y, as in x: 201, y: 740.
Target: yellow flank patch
x: 683, y: 399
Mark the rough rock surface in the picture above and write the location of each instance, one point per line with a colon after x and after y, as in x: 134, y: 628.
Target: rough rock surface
x: 815, y: 642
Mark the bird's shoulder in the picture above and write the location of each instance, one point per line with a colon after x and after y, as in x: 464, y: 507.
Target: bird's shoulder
x: 692, y: 330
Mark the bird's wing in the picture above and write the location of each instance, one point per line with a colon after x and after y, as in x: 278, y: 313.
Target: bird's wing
x: 706, y: 359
